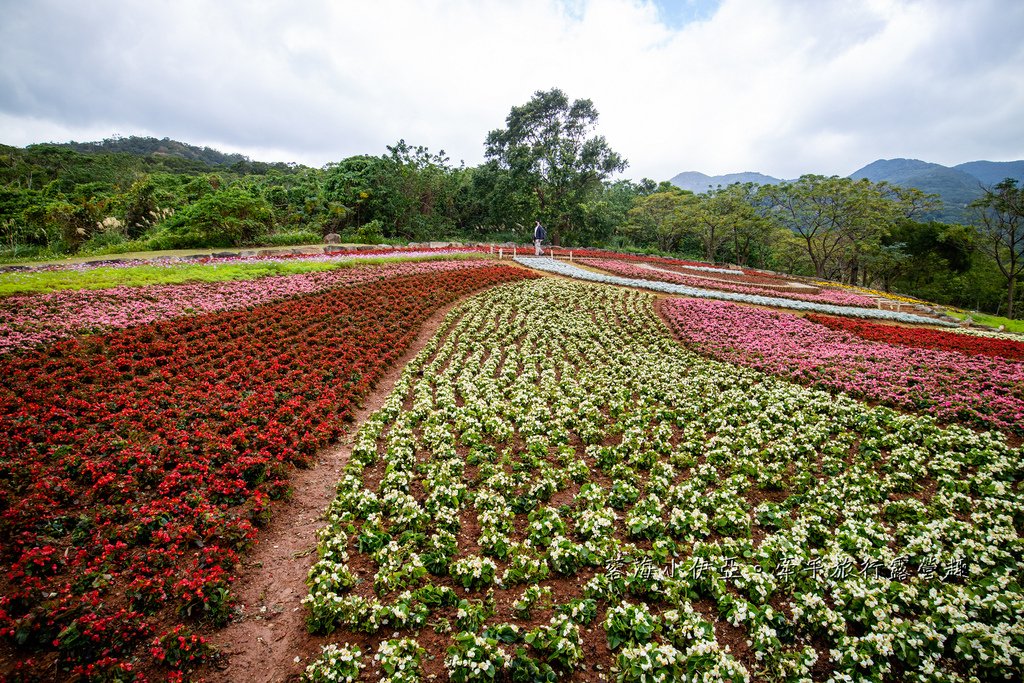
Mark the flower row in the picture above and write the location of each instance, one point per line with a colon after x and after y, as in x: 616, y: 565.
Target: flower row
x: 553, y: 449
x: 925, y: 338
x: 823, y: 296
x: 34, y: 319
x: 669, y: 262
x: 342, y: 255
x: 570, y: 270
x: 135, y: 466
x: 871, y: 292
x: 951, y: 386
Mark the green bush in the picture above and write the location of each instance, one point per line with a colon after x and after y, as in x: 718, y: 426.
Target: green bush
x: 103, y: 240
x: 226, y: 218
x: 370, y: 233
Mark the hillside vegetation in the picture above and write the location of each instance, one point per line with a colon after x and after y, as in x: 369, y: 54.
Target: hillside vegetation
x: 135, y: 194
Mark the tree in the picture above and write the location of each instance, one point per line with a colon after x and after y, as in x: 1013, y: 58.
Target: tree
x: 224, y: 218
x: 726, y: 216
x: 840, y: 220
x: 921, y: 257
x: 140, y: 206
x: 502, y: 204
x: 609, y: 211
x: 805, y: 208
x: 1001, y: 232
x: 661, y: 218
x: 547, y: 148
x: 423, y: 190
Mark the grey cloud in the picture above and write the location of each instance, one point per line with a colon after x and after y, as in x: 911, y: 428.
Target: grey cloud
x: 328, y: 79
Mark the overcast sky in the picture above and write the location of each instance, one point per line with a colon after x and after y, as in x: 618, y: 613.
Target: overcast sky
x: 784, y: 87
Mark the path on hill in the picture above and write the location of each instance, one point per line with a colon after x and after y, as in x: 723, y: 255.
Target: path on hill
x: 262, y: 644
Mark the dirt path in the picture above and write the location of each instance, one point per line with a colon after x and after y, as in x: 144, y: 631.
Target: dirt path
x: 262, y: 645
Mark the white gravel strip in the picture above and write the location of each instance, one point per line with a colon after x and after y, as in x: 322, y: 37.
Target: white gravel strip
x: 569, y: 270
x: 712, y: 269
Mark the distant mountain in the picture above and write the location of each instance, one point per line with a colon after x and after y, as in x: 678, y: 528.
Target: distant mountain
x: 145, y: 146
x: 956, y: 187
x: 694, y: 181
x: 993, y: 172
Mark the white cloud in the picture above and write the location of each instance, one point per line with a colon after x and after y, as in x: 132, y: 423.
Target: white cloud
x: 776, y: 86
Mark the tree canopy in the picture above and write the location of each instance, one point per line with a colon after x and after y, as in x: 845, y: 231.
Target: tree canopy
x: 1001, y: 232
x: 547, y: 148
x: 547, y: 163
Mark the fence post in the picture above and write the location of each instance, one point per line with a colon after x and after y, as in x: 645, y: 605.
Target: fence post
x: 513, y: 251
x: 501, y: 253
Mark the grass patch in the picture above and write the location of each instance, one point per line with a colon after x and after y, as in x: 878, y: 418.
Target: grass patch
x: 136, y: 276
x: 105, y: 277
x: 993, y: 321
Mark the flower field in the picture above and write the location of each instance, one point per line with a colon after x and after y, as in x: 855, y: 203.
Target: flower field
x: 557, y: 490
x: 925, y: 338
x: 29, y: 320
x: 136, y: 465
x: 743, y: 284
x: 570, y: 482
x: 569, y: 270
x: 951, y: 386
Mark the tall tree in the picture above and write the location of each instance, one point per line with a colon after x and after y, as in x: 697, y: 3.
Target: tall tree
x: 838, y: 219
x: 725, y: 216
x: 805, y: 208
x: 661, y: 218
x: 1001, y: 232
x: 547, y: 147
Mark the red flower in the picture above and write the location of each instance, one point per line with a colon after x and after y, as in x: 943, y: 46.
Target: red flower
x: 135, y: 463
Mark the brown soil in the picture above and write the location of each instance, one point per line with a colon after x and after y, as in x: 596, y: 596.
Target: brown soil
x: 268, y: 641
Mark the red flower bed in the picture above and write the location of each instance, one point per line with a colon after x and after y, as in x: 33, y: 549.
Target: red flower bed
x: 673, y: 263
x: 822, y: 296
x: 742, y: 277
x: 924, y: 338
x: 135, y: 466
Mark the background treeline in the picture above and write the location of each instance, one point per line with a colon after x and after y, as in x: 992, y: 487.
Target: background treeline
x: 128, y: 194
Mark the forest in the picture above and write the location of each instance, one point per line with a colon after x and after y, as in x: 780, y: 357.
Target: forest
x: 136, y: 194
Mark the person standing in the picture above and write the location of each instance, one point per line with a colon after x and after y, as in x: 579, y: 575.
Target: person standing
x: 539, y: 235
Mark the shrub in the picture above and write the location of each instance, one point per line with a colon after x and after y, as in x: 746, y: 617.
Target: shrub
x: 230, y: 217
x: 336, y: 664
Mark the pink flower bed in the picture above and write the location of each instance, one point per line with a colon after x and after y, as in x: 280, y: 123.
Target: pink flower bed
x: 666, y: 262
x: 825, y: 296
x: 736, y: 276
x: 341, y: 254
x: 950, y: 386
x: 33, y: 319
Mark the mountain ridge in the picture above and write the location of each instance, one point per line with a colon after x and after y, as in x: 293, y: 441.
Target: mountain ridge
x: 145, y: 146
x: 957, y: 186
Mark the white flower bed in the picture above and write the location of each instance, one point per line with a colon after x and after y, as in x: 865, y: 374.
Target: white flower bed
x: 824, y: 532
x: 712, y: 269
x: 569, y: 270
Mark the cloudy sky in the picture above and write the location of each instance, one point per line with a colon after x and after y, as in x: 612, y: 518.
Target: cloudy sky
x: 783, y: 87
